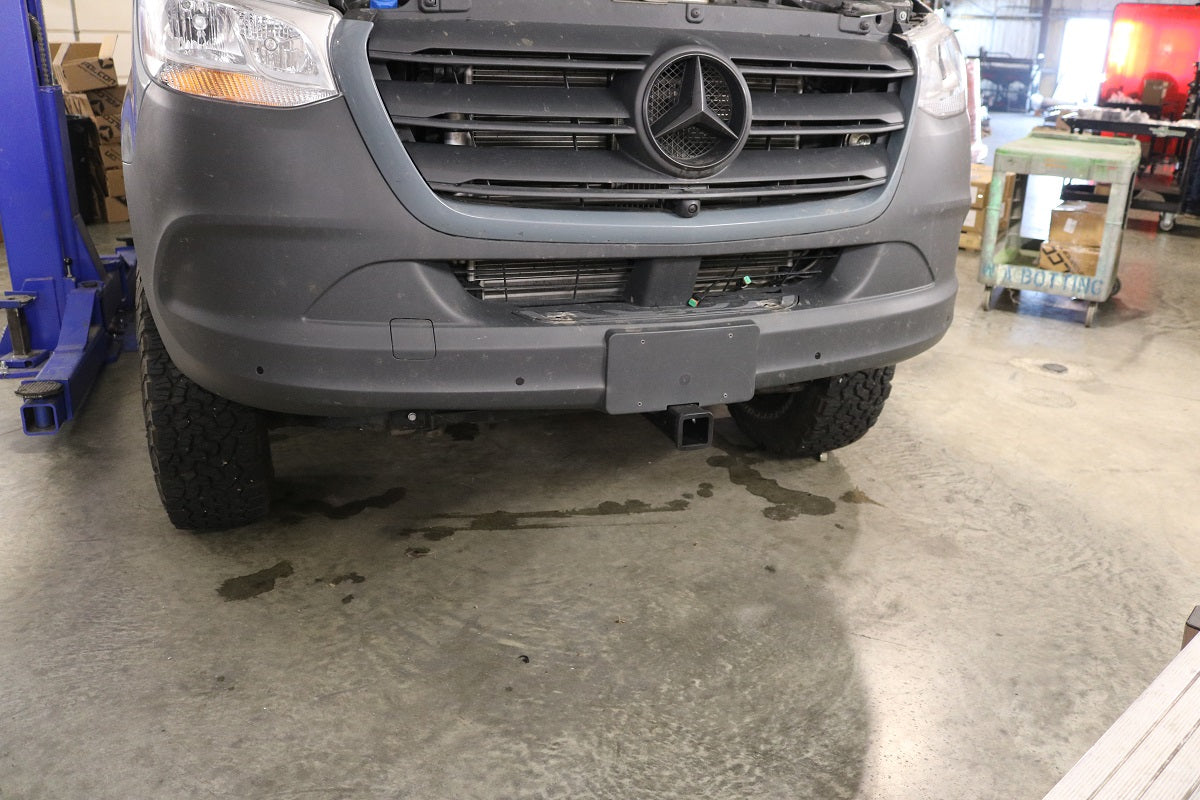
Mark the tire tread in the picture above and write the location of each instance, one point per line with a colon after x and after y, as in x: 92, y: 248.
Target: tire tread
x: 211, y: 456
x: 817, y: 417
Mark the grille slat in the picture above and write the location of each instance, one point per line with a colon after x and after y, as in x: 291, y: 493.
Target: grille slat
x: 413, y: 101
x: 575, y: 195
x: 874, y: 107
x: 574, y: 141
x: 560, y: 174
x: 536, y: 78
x: 507, y: 62
x: 520, y: 125
x: 822, y: 130
x: 870, y: 72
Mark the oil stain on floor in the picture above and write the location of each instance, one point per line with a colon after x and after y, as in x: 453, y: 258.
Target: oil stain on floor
x: 246, y: 586
x: 858, y: 497
x: 349, y: 577
x: 297, y: 500
x: 785, y: 503
x: 534, y: 520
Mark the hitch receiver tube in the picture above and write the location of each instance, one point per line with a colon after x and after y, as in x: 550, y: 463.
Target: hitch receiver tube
x: 689, y: 426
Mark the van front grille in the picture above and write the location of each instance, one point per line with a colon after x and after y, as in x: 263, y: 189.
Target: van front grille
x: 538, y: 127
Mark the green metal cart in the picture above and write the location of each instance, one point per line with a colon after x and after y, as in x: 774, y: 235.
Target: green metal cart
x: 1004, y: 264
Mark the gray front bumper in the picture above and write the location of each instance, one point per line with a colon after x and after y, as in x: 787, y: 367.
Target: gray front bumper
x: 285, y: 273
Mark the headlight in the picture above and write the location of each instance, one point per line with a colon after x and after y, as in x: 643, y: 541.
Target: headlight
x: 941, y: 69
x: 261, y: 52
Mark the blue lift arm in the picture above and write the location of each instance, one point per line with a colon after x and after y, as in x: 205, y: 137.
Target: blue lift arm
x: 67, y: 312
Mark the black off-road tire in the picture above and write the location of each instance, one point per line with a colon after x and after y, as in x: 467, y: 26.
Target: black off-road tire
x: 818, y: 416
x: 211, y: 456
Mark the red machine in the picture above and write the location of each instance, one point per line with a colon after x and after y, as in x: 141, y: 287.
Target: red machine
x: 1152, y: 52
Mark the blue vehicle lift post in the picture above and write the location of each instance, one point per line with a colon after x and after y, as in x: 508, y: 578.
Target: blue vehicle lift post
x: 66, y: 314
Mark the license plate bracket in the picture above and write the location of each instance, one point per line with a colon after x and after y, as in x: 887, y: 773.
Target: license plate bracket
x: 650, y: 370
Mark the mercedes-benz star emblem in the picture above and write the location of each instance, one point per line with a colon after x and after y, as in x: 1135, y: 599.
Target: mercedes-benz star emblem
x: 695, y: 113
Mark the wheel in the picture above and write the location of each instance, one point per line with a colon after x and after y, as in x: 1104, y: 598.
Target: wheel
x: 1090, y: 315
x: 988, y: 301
x: 817, y: 416
x: 1166, y: 222
x: 1116, y: 287
x: 211, y: 456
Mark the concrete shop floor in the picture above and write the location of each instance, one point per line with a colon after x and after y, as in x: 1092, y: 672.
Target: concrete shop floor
x: 956, y: 606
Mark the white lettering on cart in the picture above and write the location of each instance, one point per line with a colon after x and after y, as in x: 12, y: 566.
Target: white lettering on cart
x: 1063, y: 282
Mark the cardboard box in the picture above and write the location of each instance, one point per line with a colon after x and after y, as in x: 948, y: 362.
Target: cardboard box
x: 972, y: 239
x: 981, y: 179
x: 115, y: 209
x: 973, y: 223
x: 80, y: 66
x: 103, y: 106
x: 1154, y: 92
x: 1069, y: 258
x: 109, y: 130
x: 106, y: 102
x: 114, y: 182
x: 1077, y: 223
x: 110, y: 154
x: 979, y: 193
x: 76, y: 104
x: 981, y: 182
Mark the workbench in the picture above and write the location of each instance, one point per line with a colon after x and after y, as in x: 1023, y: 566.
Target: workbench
x: 1172, y: 188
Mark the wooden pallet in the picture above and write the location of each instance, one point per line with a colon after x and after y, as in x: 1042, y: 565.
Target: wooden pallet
x: 973, y: 240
